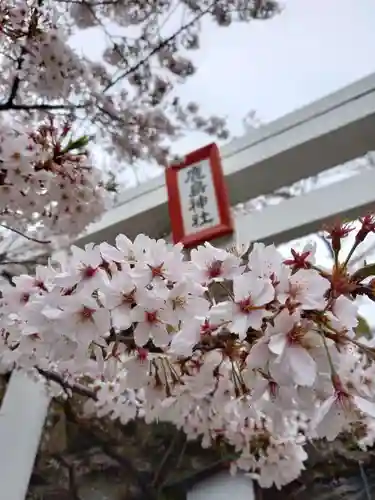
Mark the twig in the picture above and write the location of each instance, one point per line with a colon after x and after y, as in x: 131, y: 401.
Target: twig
x: 327, y: 245
x: 31, y: 28
x: 20, y: 233
x: 8, y: 277
x: 30, y: 107
x: 191, y: 477
x: 162, y: 44
x: 363, y: 255
x: 76, y: 388
x: 107, y: 34
x: 365, y: 481
x: 93, y: 4
x: 164, y: 460
x: 177, y: 464
x: 226, y: 289
x: 18, y: 262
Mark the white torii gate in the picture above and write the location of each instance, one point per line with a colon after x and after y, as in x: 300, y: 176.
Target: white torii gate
x: 315, y: 138
x: 324, y: 134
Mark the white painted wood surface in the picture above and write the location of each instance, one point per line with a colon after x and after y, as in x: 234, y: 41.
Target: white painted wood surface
x: 223, y: 486
x: 22, y: 416
x: 306, y: 214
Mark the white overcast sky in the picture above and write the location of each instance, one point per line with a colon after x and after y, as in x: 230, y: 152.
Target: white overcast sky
x: 311, y: 49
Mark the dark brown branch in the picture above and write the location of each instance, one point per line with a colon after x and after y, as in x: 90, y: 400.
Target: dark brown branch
x: 92, y: 4
x: 20, y: 233
x: 8, y: 277
x: 8, y: 106
x: 75, y: 388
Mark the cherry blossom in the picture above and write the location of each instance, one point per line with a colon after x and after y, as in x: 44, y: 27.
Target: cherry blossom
x: 251, y: 296
x: 288, y: 341
x: 258, y: 351
x: 213, y: 264
x: 304, y: 289
x: 152, y: 319
x: 47, y: 182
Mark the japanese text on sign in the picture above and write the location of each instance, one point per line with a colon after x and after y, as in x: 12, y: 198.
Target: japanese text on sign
x: 198, y: 199
x: 197, y: 196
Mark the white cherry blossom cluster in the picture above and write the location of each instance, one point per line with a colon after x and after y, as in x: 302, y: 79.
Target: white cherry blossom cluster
x: 46, y: 64
x: 59, y: 69
x: 14, y: 18
x: 241, y: 347
x: 46, y: 179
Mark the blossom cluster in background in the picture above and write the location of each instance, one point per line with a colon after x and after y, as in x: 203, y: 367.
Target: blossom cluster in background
x: 239, y: 346
x: 46, y: 180
x: 126, y: 95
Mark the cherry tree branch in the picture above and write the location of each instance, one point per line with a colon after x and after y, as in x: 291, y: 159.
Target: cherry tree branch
x: 162, y: 44
x: 92, y: 4
x: 20, y: 60
x: 8, y: 277
x: 48, y: 107
x: 20, y: 233
x: 67, y: 386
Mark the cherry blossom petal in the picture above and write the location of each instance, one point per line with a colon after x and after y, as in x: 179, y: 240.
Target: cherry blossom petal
x: 141, y: 334
x: 303, y: 366
x: 277, y: 343
x: 121, y: 318
x: 367, y: 407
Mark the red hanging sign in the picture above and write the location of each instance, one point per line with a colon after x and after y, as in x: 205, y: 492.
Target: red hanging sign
x: 198, y: 201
